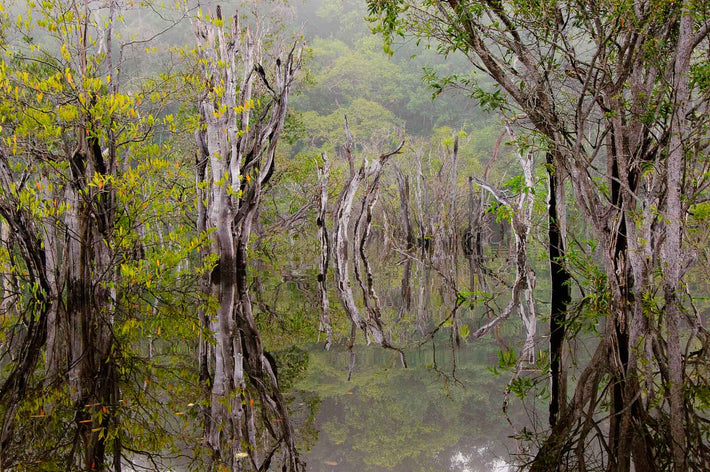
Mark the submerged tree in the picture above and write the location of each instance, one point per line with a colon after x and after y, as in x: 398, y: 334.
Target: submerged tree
x: 243, y: 109
x: 615, y: 94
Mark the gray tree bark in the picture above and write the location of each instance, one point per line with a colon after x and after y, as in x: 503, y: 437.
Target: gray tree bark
x: 239, y: 146
x: 323, y: 178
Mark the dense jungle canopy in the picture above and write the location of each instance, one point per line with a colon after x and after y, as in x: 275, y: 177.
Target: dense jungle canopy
x: 243, y: 237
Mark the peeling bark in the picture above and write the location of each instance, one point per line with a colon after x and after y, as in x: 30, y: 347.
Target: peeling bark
x: 239, y: 151
x: 371, y: 324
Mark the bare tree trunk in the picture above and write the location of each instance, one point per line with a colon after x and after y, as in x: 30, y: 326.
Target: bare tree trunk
x: 56, y: 328
x: 370, y: 325
x: 560, y: 296
x: 201, y: 161
x: 341, y: 222
x: 363, y: 226
x: 472, y: 239
x: 522, y: 291
x: 469, y: 240
x: 240, y: 157
x: 522, y: 226
x: 323, y: 177
x: 451, y: 221
x: 423, y: 211
x: 406, y: 288
x: 403, y: 187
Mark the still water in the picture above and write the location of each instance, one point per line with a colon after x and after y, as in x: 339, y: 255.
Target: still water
x: 428, y: 417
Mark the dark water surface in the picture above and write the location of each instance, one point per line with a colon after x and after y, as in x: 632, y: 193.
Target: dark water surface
x: 387, y: 418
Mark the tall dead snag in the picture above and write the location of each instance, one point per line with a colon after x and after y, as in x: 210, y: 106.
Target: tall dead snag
x: 406, y: 287
x: 204, y: 354
x: 424, y: 217
x: 243, y: 109
x: 363, y: 225
x: 470, y: 239
x: 449, y: 224
x: 325, y: 325
x: 403, y: 186
x: 371, y: 325
x: 521, y: 218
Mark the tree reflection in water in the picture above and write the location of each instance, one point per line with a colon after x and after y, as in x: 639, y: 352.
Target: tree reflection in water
x: 392, y: 419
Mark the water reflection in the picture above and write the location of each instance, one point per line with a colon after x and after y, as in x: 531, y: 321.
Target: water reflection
x: 418, y: 419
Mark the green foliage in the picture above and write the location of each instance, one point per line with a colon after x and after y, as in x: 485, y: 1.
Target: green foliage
x: 700, y: 76
x: 292, y: 364
x: 348, y: 64
x: 501, y: 212
x: 516, y: 184
x: 701, y: 212
x: 55, y: 97
x: 507, y: 360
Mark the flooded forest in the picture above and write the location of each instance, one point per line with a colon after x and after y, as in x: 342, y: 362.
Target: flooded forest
x: 355, y: 235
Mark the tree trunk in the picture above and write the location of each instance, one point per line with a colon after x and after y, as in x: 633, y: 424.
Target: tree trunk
x: 406, y: 287
x: 323, y: 178
x: 671, y: 252
x: 560, y: 296
x: 372, y: 324
x: 240, y: 156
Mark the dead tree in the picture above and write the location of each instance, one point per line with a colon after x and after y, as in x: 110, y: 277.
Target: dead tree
x: 521, y: 218
x: 363, y: 226
x: 406, y: 286
x: 325, y: 324
x: 243, y: 109
x: 370, y: 324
